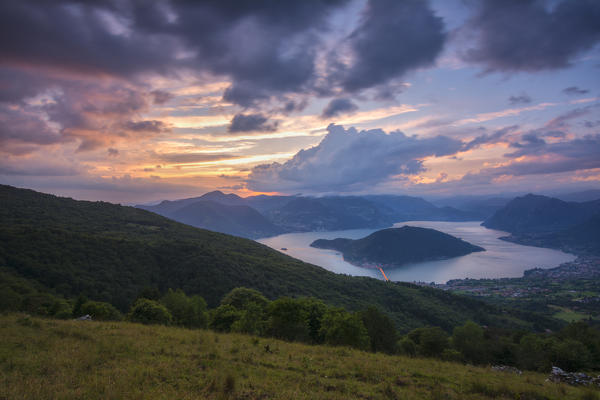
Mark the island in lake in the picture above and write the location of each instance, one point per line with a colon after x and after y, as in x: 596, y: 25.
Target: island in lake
x: 397, y: 246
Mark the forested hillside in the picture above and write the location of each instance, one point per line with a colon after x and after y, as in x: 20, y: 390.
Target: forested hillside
x: 110, y: 253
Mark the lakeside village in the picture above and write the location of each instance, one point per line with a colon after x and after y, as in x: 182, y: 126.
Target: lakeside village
x: 572, y: 287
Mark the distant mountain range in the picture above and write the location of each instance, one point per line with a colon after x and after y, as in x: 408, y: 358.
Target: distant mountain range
x: 261, y: 216
x: 396, y: 246
x: 550, y: 222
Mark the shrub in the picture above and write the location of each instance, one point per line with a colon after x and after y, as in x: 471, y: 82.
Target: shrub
x: 149, y: 312
x: 101, y: 311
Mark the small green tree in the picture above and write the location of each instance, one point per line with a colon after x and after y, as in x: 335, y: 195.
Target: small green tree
x: 288, y: 320
x: 149, y: 312
x: 382, y: 332
x: 470, y: 342
x: 100, y: 310
x: 430, y: 341
x: 223, y: 317
x: 251, y: 320
x: 186, y: 311
x: 407, y: 347
x: 340, y: 328
x: 240, y: 297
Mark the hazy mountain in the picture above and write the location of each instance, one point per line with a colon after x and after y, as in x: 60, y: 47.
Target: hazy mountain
x: 482, y: 207
x: 586, y: 195
x: 396, y: 246
x: 110, y: 252
x: 540, y: 214
x: 328, y: 214
x: 235, y: 220
x: 219, y: 212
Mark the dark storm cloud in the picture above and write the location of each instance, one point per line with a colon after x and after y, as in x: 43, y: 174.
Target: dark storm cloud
x: 339, y: 106
x: 348, y: 158
x: 266, y: 47
x: 530, y: 35
x: 393, y: 38
x: 520, y: 99
x: 251, y: 123
x: 575, y: 91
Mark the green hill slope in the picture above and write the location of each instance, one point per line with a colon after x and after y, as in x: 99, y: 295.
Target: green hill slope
x: 109, y: 253
x: 50, y: 359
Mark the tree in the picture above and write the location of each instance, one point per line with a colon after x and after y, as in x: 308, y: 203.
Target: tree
x: 101, y: 311
x: 381, y: 330
x: 186, y: 311
x: 251, y: 320
x: 430, y: 341
x: 407, y: 347
x: 223, y: 317
x: 149, y: 312
x: 288, y: 320
x: 240, y: 297
x: 470, y: 342
x: 340, y: 328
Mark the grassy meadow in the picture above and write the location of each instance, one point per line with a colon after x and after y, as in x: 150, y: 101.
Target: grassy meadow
x: 55, y: 359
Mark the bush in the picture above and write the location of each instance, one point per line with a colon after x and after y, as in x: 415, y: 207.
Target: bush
x: 241, y: 297
x: 407, y: 347
x: 431, y: 341
x: 149, y: 312
x: 340, y: 328
x: 381, y: 330
x: 223, y: 317
x: 101, y: 311
x: 470, y: 342
x: 186, y: 311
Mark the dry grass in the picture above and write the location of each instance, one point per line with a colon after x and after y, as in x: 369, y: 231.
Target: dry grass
x: 51, y: 359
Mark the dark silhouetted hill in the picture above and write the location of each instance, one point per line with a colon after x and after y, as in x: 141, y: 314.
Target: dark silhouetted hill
x: 397, y: 246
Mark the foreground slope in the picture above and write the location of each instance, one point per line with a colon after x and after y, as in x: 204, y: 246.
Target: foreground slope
x: 51, y: 359
x: 110, y: 253
x: 396, y: 246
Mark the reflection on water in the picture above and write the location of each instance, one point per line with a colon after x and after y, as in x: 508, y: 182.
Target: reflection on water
x: 501, y: 258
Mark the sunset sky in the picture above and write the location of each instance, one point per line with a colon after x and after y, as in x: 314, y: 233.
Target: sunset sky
x: 137, y: 101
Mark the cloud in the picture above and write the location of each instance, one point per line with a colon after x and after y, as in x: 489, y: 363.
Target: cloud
x: 347, y: 158
x: 528, y: 35
x: 251, y: 123
x: 520, y: 99
x: 575, y: 91
x: 192, y: 157
x: 160, y: 96
x: 112, y: 152
x: 152, y: 126
x: 493, y: 138
x: 393, y: 38
x: 339, y: 106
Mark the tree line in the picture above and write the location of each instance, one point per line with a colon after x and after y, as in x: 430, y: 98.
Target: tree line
x: 310, y: 320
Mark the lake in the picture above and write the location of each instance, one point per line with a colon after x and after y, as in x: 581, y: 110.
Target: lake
x: 500, y: 260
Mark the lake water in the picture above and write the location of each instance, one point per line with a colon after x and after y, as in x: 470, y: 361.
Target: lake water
x: 500, y: 260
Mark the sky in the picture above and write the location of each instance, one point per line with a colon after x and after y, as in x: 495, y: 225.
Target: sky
x: 136, y: 101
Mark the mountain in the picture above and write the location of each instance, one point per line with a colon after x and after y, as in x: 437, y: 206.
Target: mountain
x: 329, y: 214
x: 110, y: 253
x: 581, y: 239
x: 396, y: 246
x: 241, y: 221
x: 540, y: 214
x: 586, y: 195
x: 219, y: 212
x: 301, y: 213
x: 481, y: 207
